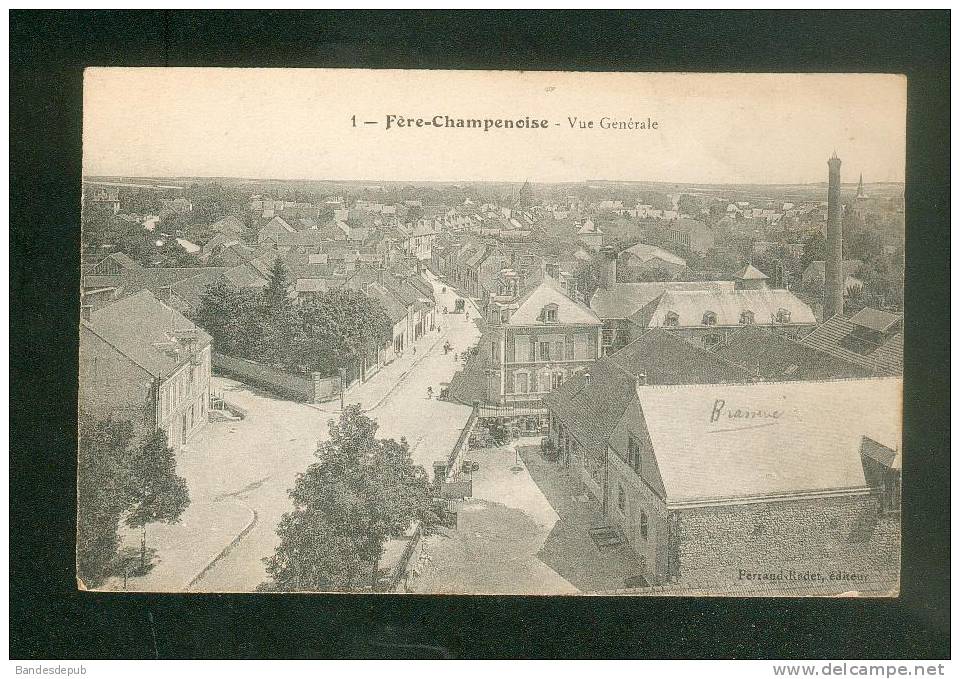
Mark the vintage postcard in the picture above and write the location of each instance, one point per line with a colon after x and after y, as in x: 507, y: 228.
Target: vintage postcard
x: 477, y: 332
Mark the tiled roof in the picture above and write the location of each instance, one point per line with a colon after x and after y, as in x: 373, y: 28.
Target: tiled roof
x: 393, y: 307
x: 806, y: 438
x: 690, y: 307
x: 622, y: 300
x: 874, y: 319
x: 228, y: 225
x: 141, y: 327
x: 301, y: 238
x: 885, y: 359
x: 774, y: 356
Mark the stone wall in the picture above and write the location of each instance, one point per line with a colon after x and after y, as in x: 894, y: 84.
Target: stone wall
x: 310, y: 388
x: 816, y: 535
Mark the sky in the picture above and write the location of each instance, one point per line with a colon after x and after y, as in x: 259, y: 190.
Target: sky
x: 297, y: 124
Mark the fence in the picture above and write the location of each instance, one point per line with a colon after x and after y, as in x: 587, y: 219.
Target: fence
x: 311, y: 388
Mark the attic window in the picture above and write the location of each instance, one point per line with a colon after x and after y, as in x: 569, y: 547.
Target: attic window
x: 746, y: 318
x: 709, y: 318
x: 671, y: 320
x: 550, y: 313
x: 783, y: 316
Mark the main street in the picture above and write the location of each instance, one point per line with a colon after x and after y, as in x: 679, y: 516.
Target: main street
x: 239, y: 472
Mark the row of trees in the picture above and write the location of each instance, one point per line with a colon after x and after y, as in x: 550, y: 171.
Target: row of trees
x: 102, y: 228
x: 334, y: 330
x: 120, y: 477
x: 360, y: 492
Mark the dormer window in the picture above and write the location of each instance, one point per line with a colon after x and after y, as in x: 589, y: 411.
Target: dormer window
x: 671, y: 320
x: 746, y: 318
x: 709, y: 318
x: 550, y: 314
x: 783, y: 316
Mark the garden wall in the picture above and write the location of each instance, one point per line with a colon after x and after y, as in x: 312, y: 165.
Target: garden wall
x: 310, y: 388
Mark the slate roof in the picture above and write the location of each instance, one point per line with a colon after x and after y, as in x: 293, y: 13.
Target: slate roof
x: 885, y: 359
x: 774, y: 356
x: 530, y: 307
x: 124, y: 260
x: 818, y: 268
x: 812, y: 445
x: 622, y: 300
x: 141, y: 328
x: 591, y: 410
x: 690, y: 307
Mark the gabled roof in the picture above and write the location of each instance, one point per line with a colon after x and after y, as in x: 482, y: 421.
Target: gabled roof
x: 831, y: 337
x: 789, y: 438
x: 875, y: 319
x: 228, y: 225
x: 622, y: 300
x: 530, y: 306
x: 123, y: 260
x: 750, y: 273
x: 142, y: 328
x: 301, y: 238
x: 774, y: 356
x: 592, y: 408
x: 690, y: 307
x: 645, y: 253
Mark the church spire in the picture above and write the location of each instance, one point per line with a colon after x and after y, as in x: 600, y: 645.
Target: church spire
x: 860, y: 187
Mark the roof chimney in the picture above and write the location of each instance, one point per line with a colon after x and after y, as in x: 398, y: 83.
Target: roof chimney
x: 608, y: 267
x: 833, y: 264
x: 641, y: 378
x: 85, y: 310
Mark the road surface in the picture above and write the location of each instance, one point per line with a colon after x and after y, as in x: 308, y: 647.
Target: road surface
x: 239, y: 472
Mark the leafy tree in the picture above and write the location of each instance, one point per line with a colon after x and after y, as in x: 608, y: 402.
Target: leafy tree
x: 814, y: 250
x: 228, y: 314
x: 102, y: 495
x: 360, y: 492
x: 158, y: 493
x: 346, y: 323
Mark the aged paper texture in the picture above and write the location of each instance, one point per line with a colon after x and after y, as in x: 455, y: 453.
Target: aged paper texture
x: 491, y: 332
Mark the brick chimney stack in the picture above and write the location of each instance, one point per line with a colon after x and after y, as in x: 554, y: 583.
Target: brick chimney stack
x: 608, y: 267
x: 833, y: 265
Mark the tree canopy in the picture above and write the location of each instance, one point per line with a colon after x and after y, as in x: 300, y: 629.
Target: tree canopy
x: 359, y: 493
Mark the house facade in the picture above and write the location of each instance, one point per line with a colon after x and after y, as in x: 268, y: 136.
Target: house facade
x: 143, y: 361
x: 535, y: 343
x: 775, y: 490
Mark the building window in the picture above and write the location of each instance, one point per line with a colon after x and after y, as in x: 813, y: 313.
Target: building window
x: 569, y: 351
x: 643, y: 524
x: 783, y: 316
x: 633, y: 453
x: 621, y: 499
x: 550, y: 313
x: 671, y: 320
x: 746, y: 318
x: 493, y: 351
x: 523, y: 383
x: 557, y: 380
x: 709, y: 318
x: 544, y: 351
